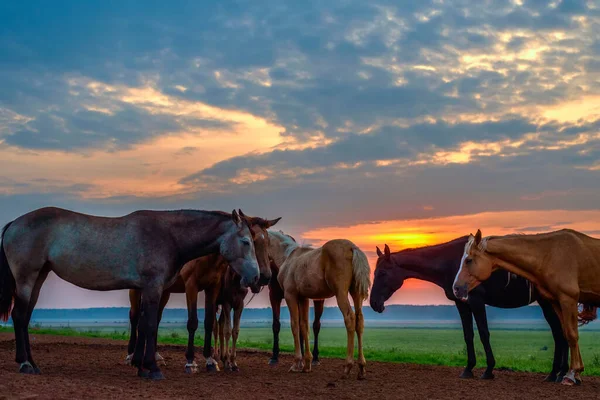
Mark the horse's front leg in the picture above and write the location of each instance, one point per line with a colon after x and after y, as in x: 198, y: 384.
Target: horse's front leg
x: 303, y: 306
x: 466, y: 318
x: 149, y: 319
x: 210, y: 296
x: 319, y: 307
x: 275, y: 297
x: 292, y: 303
x: 479, y: 313
x: 350, y: 323
x: 135, y: 299
x: 191, y: 296
x: 237, y: 316
x: 163, y: 303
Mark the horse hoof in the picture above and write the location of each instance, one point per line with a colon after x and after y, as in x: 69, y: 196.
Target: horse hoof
x: 27, y: 369
x: 235, y: 368
x: 36, y: 371
x: 361, y: 376
x: 487, y: 376
x: 273, y: 361
x: 143, y: 374
x: 191, y: 369
x: 552, y: 378
x: 156, y: 376
x: 567, y: 382
x: 466, y: 374
x: 316, y: 362
x: 211, y: 368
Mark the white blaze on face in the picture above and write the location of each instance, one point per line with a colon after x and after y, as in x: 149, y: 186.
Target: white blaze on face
x: 462, y: 260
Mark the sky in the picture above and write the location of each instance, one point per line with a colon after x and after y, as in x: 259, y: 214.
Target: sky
x: 406, y: 123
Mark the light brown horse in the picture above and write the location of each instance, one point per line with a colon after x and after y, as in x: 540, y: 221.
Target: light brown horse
x: 205, y: 274
x: 231, y: 298
x: 563, y: 265
x: 338, y: 268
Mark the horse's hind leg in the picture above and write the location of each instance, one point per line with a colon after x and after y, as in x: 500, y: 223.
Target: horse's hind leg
x: 360, y: 327
x: 350, y: 322
x: 35, y: 293
x: 479, y: 313
x: 275, y: 297
x: 319, y: 307
x: 149, y: 324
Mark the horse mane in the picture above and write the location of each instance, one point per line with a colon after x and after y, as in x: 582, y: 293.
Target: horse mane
x: 429, y: 246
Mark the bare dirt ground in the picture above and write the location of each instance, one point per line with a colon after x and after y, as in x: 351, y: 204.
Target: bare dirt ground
x: 82, y: 368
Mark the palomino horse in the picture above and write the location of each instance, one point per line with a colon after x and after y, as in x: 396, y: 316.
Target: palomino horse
x: 143, y: 250
x: 207, y: 274
x: 276, y: 297
x: 439, y: 264
x: 563, y: 265
x: 338, y: 268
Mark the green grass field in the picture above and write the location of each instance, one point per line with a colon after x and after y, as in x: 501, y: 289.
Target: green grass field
x: 519, y: 350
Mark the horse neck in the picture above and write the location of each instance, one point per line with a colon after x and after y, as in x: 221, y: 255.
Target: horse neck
x: 422, y: 268
x: 281, y: 250
x: 516, y: 254
x: 198, y: 233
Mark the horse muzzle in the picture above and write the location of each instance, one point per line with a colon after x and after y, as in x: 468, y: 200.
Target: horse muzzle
x: 377, y: 305
x: 461, y: 292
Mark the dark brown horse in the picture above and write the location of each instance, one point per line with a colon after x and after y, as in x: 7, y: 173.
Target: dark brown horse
x: 205, y: 274
x: 439, y: 264
x: 144, y: 250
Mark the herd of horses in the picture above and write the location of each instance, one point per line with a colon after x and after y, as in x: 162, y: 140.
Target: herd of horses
x: 156, y: 253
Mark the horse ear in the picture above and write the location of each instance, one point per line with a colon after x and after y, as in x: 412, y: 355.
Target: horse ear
x: 379, y: 253
x: 241, y: 213
x: 478, y: 237
x: 272, y: 222
x: 236, y: 218
x: 387, y: 251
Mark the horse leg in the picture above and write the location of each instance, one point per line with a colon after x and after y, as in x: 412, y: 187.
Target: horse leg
x: 360, y: 327
x: 210, y: 299
x: 215, y: 353
x: 560, y: 363
x: 161, y: 307
x: 568, y: 307
x: 466, y: 318
x: 226, y: 356
x: 319, y: 306
x: 191, y: 297
x: 292, y: 303
x: 275, y: 298
x: 222, y: 337
x: 135, y: 299
x: 303, y: 306
x: 237, y: 316
x: 350, y: 322
x: 149, y: 320
x: 479, y: 313
x: 35, y: 293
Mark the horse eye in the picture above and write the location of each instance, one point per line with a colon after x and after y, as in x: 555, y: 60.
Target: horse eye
x: 246, y: 242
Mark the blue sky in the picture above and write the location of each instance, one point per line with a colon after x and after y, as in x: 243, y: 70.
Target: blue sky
x: 335, y: 115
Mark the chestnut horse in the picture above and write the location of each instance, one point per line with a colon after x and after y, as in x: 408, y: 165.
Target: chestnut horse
x: 205, y: 273
x: 144, y: 250
x: 338, y: 268
x: 563, y: 265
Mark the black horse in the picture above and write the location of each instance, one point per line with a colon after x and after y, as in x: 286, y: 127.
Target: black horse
x: 439, y: 264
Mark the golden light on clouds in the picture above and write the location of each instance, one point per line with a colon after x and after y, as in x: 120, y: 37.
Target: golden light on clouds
x: 586, y: 108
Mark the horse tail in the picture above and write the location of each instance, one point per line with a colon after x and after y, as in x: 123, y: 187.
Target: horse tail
x: 7, y: 281
x: 361, y: 272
